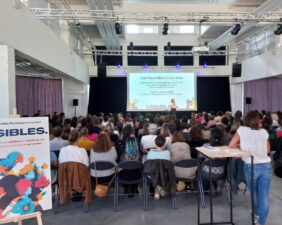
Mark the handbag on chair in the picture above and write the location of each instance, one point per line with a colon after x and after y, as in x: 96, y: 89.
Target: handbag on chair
x: 100, y: 189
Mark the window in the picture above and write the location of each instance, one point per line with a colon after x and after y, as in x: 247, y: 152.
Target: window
x: 186, y: 29
x: 181, y: 29
x: 141, y: 29
x: 148, y: 30
x: 132, y: 29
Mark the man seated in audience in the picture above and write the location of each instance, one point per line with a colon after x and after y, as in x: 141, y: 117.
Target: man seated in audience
x: 159, y: 153
x: 84, y: 142
x: 148, y: 141
x: 57, y: 143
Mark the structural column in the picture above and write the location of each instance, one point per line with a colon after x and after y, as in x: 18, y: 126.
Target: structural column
x: 7, y: 81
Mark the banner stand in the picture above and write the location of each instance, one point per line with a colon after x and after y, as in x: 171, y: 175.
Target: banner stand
x: 19, y: 219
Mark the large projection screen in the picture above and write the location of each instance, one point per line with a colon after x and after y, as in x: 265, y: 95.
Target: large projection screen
x: 154, y: 91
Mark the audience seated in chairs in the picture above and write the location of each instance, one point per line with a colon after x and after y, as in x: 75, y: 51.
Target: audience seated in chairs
x: 129, y: 151
x: 83, y: 141
x: 57, y: 143
x: 159, y: 153
x: 103, y: 151
x: 179, y: 150
x: 73, y: 170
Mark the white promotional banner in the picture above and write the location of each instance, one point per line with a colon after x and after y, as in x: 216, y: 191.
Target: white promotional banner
x: 25, y: 179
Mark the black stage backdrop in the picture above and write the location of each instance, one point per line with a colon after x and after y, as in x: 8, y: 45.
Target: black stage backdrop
x: 108, y: 95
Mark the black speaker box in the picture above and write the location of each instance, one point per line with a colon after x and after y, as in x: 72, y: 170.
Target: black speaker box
x: 75, y: 102
x: 102, y: 70
x: 236, y: 70
x: 248, y: 100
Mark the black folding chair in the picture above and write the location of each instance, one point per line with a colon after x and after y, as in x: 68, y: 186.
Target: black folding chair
x: 190, y: 163
x: 217, y: 162
x: 129, y: 167
x: 104, y: 165
x: 146, y: 180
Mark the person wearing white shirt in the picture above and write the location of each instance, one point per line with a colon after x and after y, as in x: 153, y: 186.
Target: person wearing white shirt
x: 254, y: 140
x: 72, y: 153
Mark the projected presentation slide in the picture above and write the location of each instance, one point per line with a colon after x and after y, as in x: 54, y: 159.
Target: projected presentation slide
x: 154, y: 91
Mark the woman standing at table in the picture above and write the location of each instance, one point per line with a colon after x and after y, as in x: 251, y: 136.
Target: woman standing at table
x: 173, y: 107
x: 254, y: 140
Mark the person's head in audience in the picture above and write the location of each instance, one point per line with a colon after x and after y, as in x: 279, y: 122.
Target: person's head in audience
x: 66, y: 131
x: 177, y: 138
x: 146, y: 128
x: 126, y: 132
x: 102, y: 143
x: 193, y: 122
x: 106, y: 119
x: 238, y: 114
x: 151, y: 119
x: 57, y: 131
x: 110, y: 128
x: 153, y: 129
x: 160, y: 142
x: 267, y: 122
x: 74, y: 122
x: 96, y: 121
x: 178, y: 125
x: 39, y: 112
x: 252, y: 120
x: 275, y: 119
x: 84, y: 132
x: 67, y: 121
x: 196, y: 134
x: 184, y: 119
x: 225, y: 121
x: 171, y: 129
x: 206, y: 118
x: 184, y: 126
x: 100, y: 121
x: 160, y: 123
x: 216, y: 138
x: 74, y: 137
x: 51, y: 134
x: 167, y: 119
x: 164, y: 130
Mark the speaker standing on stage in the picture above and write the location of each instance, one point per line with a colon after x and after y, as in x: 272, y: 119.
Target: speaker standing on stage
x: 173, y: 107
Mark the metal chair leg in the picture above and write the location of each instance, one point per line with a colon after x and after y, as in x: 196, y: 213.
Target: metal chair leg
x: 202, y: 195
x: 174, y: 202
x: 57, y: 191
x: 85, y: 207
x: 116, y: 194
x: 145, y: 193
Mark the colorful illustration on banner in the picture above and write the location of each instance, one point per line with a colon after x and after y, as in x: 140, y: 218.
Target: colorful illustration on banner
x: 21, y: 189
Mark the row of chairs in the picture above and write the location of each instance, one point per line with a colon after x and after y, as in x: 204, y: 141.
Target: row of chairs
x: 144, y: 180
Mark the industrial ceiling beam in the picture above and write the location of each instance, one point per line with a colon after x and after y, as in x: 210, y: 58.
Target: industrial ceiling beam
x: 156, y: 53
x: 157, y: 17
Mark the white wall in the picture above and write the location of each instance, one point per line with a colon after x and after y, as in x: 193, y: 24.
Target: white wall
x: 24, y: 32
x: 261, y: 66
x: 237, y: 97
x: 7, y: 81
x: 75, y: 90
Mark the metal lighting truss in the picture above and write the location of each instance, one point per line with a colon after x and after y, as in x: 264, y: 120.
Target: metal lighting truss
x: 156, y: 53
x: 157, y: 17
x: 268, y: 7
